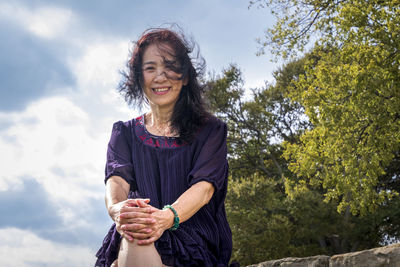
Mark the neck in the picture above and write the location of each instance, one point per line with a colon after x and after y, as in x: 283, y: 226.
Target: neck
x: 159, y: 117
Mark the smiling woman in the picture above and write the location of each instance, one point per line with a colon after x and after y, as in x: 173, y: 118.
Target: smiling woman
x: 166, y: 171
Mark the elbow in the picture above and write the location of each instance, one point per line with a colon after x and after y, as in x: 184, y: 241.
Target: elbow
x: 209, y: 192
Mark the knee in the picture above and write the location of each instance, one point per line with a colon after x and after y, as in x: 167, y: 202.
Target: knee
x: 127, y: 245
x: 132, y: 254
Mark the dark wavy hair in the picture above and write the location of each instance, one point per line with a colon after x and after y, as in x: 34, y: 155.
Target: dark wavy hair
x: 189, y: 113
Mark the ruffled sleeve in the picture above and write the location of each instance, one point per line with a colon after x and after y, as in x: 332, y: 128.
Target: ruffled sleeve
x: 211, y: 164
x: 119, y: 154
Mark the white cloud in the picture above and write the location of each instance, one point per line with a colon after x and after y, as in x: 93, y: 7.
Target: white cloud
x: 44, y: 22
x: 101, y: 60
x: 97, y: 74
x: 52, y: 141
x: 52, y: 134
x: 23, y: 248
x: 61, y: 141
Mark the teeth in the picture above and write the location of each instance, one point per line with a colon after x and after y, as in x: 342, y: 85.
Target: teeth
x: 161, y: 89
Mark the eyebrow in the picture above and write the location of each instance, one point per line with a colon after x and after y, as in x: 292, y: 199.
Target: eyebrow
x: 149, y: 63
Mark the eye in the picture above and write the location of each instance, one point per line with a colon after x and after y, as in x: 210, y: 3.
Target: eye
x: 172, y: 65
x: 172, y: 69
x: 150, y: 68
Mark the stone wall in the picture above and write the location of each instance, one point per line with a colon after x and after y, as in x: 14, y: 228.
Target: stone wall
x: 388, y: 256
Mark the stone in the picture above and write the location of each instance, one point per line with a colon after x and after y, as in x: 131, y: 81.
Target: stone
x: 388, y: 256
x: 315, y: 261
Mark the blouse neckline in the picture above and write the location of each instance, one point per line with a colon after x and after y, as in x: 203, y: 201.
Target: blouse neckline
x: 152, y: 140
x: 142, y: 118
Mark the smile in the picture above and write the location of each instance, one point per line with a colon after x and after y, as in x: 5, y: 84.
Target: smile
x: 161, y: 89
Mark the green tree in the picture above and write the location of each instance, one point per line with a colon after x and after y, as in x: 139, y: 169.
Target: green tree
x: 261, y: 227
x: 351, y: 94
x: 271, y: 212
x: 256, y: 207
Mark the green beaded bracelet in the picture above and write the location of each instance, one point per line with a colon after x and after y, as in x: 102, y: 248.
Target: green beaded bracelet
x: 176, y: 218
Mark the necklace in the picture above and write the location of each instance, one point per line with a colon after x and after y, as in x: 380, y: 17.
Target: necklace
x: 163, y: 131
x: 160, y: 130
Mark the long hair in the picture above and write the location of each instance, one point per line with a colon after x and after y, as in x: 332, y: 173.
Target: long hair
x: 189, y: 112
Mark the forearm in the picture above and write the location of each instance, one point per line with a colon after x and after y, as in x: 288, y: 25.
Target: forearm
x: 117, y: 190
x: 193, y: 199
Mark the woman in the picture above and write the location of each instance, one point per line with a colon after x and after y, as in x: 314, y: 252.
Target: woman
x: 166, y: 171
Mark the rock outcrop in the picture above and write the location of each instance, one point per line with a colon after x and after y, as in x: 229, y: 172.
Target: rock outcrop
x: 388, y: 256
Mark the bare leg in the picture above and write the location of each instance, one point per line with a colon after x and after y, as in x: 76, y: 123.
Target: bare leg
x: 132, y: 255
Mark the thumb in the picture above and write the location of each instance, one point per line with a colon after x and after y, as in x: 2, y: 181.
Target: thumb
x: 142, y: 202
x: 131, y: 202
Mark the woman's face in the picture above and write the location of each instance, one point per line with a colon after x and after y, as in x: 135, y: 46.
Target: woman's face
x: 161, y: 84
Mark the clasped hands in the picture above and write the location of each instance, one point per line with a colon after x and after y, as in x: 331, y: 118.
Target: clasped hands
x: 136, y: 219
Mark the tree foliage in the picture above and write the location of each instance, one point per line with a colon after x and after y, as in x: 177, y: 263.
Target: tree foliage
x: 327, y: 129
x: 272, y: 212
x: 351, y: 93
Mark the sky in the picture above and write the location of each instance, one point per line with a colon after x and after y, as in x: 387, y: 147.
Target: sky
x: 60, y: 63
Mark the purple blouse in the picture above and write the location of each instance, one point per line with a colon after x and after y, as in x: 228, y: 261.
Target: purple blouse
x: 161, y: 169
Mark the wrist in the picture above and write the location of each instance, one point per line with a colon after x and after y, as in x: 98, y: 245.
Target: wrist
x: 170, y: 218
x: 113, y: 212
x: 173, y: 217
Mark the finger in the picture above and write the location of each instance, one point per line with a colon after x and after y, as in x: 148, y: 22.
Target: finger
x: 133, y: 215
x: 146, y: 200
x: 144, y: 221
x: 135, y: 201
x: 136, y: 227
x: 143, y: 242
x: 142, y: 202
x: 147, y: 209
x: 124, y: 234
x: 152, y: 209
x: 146, y: 231
x: 141, y: 236
x: 143, y: 230
x: 136, y: 209
x: 127, y: 235
x: 123, y: 221
x: 130, y: 202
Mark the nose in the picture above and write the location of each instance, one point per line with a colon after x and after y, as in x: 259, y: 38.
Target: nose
x: 160, y: 75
